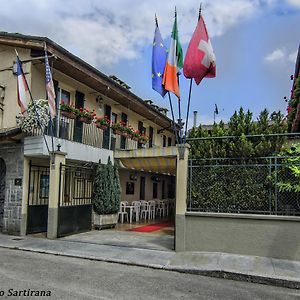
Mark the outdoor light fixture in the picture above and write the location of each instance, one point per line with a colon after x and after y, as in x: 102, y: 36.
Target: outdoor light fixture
x: 58, y: 146
x: 133, y: 176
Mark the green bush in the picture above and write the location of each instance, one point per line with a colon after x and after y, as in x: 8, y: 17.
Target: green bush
x: 106, y: 191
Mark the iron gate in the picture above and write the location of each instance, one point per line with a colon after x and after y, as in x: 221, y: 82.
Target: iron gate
x: 75, y: 200
x: 2, y: 190
x: 38, y: 198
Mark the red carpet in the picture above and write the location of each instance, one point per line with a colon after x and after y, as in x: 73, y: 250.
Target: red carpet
x: 152, y: 227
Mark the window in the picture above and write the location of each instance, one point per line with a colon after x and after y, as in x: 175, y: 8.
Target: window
x: 129, y: 188
x: 65, y: 96
x: 169, y: 141
x: 114, y: 118
x: 164, y: 141
x: 154, y: 190
x: 150, y: 137
x: 44, y: 186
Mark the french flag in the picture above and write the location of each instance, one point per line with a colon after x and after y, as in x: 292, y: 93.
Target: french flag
x: 23, y: 90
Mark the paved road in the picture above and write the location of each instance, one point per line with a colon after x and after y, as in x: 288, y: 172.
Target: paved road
x: 73, y: 278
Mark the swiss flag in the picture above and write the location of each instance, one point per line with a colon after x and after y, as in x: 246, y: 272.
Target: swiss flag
x: 200, y: 60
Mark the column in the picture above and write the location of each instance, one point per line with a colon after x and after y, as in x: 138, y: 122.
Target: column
x: 181, y: 195
x: 54, y: 192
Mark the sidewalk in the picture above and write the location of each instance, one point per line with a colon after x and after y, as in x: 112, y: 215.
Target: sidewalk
x: 238, y: 267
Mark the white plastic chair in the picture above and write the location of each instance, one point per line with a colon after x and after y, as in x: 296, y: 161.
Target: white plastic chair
x: 122, y: 212
x: 160, y: 211
x: 144, y: 209
x: 151, y: 209
x: 136, y: 209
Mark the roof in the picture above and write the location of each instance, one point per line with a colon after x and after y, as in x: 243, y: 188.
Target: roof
x: 75, y: 67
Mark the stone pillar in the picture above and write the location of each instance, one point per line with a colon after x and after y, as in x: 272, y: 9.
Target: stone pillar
x: 181, y: 195
x: 54, y: 192
x: 24, y: 210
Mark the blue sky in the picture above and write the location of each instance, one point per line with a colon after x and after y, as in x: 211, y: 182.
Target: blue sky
x: 255, y: 42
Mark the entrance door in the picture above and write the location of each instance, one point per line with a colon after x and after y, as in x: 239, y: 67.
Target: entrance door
x: 38, y: 198
x: 106, y: 132
x: 142, y: 188
x: 78, y: 130
x: 2, y: 190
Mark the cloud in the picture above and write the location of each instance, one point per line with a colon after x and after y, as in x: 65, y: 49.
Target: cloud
x: 294, y: 3
x: 105, y: 32
x: 276, y: 55
x: 281, y: 55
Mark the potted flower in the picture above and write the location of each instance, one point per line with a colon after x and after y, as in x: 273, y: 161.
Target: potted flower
x: 106, y: 195
x: 29, y: 122
x: 119, y: 128
x: 102, y: 122
x: 143, y: 139
x: 67, y: 110
x: 136, y: 135
x: 85, y: 115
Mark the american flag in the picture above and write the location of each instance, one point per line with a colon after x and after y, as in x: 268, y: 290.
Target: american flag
x: 50, y: 88
x: 23, y: 90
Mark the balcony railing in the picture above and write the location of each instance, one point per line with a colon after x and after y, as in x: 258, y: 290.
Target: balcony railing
x: 88, y: 134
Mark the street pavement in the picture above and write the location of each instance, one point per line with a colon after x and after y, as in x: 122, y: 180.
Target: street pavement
x: 223, y: 265
x: 75, y: 278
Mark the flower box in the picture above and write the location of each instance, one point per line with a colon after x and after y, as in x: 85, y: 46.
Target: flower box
x: 68, y: 114
x: 103, y: 127
x: 85, y: 120
x: 104, y: 221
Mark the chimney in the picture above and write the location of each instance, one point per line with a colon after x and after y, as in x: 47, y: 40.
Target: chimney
x: 195, y: 118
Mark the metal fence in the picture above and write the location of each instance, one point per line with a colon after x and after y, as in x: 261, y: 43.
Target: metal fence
x: 76, y: 185
x: 252, y: 185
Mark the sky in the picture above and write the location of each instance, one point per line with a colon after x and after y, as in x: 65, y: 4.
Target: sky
x: 255, y: 43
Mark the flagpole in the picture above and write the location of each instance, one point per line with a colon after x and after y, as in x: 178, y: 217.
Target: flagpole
x: 188, y: 110
x: 190, y: 90
x: 51, y: 121
x: 34, y: 107
x: 174, y: 127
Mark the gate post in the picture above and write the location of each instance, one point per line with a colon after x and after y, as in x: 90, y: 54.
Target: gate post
x: 54, y: 192
x: 181, y: 195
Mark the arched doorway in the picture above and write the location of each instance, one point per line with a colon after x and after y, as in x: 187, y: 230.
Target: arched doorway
x: 2, y: 190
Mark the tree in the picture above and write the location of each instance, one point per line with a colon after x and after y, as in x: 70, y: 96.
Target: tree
x: 240, y: 125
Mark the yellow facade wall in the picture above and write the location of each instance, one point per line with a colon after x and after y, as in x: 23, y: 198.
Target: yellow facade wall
x: 9, y: 80
x: 36, y: 80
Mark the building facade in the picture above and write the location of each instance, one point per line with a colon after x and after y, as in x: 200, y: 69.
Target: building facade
x: 146, y: 170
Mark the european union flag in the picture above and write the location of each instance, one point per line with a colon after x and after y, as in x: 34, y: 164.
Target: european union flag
x: 159, y: 58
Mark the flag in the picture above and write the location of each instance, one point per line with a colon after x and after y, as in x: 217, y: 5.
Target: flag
x: 22, y: 87
x: 50, y: 88
x: 216, y: 109
x: 174, y: 62
x: 159, y: 58
x: 200, y: 59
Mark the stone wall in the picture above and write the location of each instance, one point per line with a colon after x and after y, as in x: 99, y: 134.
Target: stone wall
x: 12, y: 154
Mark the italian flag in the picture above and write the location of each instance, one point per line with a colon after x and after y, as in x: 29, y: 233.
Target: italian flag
x: 174, y: 63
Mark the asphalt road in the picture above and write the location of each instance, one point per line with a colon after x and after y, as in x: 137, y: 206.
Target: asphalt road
x: 73, y: 278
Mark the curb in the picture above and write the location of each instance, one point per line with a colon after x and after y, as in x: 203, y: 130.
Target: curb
x: 292, y: 284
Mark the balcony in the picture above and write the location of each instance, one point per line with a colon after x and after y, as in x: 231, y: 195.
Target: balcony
x: 89, y: 134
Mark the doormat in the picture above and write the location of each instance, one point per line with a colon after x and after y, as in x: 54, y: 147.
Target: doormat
x: 152, y: 227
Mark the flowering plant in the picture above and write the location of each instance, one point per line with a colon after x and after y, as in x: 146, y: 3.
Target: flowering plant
x: 67, y: 107
x: 102, y: 121
x: 121, y: 127
x: 143, y: 139
x: 36, y: 116
x: 85, y: 113
x: 136, y: 134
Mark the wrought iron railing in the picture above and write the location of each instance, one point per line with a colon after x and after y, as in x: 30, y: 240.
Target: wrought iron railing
x: 251, y: 185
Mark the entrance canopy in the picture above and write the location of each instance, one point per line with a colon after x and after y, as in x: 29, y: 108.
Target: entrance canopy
x: 162, y: 165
